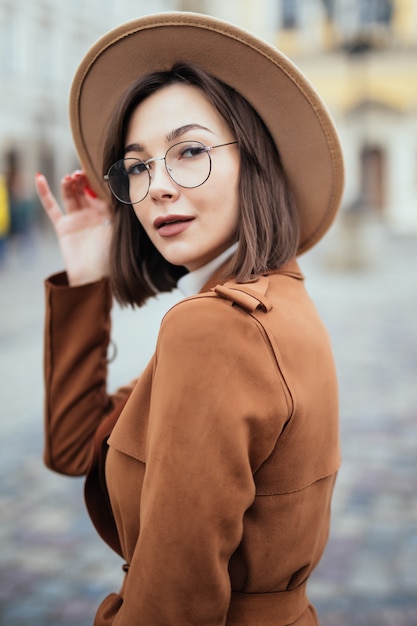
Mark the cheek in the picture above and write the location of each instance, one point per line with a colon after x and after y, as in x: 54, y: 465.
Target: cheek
x: 228, y: 213
x: 226, y: 184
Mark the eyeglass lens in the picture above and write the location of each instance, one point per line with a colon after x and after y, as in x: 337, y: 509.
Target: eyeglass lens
x: 187, y: 163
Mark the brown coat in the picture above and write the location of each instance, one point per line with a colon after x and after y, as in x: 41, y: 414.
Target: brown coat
x: 221, y: 466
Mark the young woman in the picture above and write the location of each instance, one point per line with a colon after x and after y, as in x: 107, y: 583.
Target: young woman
x: 212, y: 473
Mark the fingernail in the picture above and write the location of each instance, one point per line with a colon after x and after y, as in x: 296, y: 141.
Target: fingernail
x: 90, y: 192
x: 38, y: 174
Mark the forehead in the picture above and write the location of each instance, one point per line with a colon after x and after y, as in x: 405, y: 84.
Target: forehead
x: 173, y: 107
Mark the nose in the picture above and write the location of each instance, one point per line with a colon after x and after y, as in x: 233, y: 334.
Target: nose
x: 161, y: 184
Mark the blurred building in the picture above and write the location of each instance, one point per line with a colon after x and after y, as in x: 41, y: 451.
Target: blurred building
x: 362, y: 57
x: 41, y: 45
x: 360, y: 54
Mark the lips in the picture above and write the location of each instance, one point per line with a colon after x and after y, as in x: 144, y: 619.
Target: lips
x: 171, y: 225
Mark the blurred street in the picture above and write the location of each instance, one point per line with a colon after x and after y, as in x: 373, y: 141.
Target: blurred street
x: 54, y: 569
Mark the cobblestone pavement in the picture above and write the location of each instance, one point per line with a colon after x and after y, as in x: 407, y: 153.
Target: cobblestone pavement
x: 54, y: 569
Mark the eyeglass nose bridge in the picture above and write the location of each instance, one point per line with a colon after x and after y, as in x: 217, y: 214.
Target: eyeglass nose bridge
x: 167, y: 167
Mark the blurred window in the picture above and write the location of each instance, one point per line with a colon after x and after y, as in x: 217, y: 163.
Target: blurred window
x: 375, y: 11
x: 361, y: 21
x: 290, y: 14
x: 373, y: 176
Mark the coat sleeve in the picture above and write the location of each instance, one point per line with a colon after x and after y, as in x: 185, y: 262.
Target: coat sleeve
x: 218, y: 405
x: 77, y: 330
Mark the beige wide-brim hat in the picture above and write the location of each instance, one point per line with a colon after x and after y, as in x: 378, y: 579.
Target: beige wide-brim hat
x: 291, y: 109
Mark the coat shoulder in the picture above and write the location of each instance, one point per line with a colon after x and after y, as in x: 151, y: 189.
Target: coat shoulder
x: 207, y: 322
x: 207, y: 314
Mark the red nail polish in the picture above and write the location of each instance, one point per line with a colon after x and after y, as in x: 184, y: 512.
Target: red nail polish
x: 90, y: 192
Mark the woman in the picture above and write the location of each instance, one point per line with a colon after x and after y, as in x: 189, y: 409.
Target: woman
x: 212, y: 473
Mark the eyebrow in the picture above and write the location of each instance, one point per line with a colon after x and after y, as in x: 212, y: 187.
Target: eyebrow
x: 171, y: 136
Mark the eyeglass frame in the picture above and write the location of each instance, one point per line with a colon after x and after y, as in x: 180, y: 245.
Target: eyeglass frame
x: 146, y: 163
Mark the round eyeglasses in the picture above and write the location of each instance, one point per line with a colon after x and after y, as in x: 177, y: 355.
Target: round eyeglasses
x: 188, y: 164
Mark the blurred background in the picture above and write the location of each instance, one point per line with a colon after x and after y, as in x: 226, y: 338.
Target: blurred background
x: 361, y: 55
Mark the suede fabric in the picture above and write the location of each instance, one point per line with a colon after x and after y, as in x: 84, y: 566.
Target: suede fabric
x: 215, y: 483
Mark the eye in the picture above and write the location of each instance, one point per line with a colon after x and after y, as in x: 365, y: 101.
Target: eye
x: 191, y: 151
x: 135, y: 168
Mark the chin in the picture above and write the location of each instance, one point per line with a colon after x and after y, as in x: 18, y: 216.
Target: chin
x: 183, y: 260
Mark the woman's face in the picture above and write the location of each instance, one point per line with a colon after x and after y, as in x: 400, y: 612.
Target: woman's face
x: 189, y: 227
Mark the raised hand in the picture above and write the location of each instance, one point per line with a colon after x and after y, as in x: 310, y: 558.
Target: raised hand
x: 83, y: 227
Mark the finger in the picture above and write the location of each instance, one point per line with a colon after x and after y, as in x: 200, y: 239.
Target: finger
x: 87, y: 196
x: 48, y: 201
x: 83, y: 186
x: 90, y: 193
x: 72, y: 192
x: 76, y: 191
x: 80, y: 183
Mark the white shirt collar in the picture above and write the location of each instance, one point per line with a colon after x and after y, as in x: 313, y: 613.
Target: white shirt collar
x: 193, y: 282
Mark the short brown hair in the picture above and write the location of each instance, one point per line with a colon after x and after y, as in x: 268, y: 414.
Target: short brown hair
x: 268, y: 229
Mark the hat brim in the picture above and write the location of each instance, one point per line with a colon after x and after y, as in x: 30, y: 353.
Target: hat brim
x: 295, y: 115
